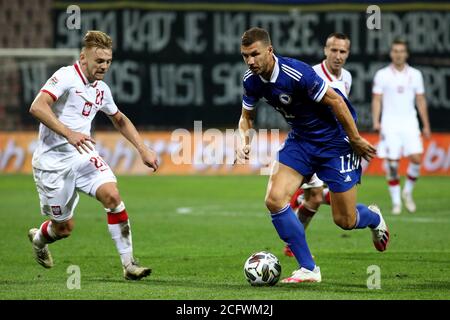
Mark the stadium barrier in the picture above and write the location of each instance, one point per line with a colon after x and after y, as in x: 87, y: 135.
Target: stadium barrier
x: 209, y: 152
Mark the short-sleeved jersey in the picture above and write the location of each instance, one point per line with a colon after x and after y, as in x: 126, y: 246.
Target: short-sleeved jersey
x: 343, y: 83
x: 76, y: 103
x: 399, y: 89
x: 295, y: 90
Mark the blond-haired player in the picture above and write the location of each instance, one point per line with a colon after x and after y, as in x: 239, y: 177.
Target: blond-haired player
x: 396, y: 89
x: 66, y: 161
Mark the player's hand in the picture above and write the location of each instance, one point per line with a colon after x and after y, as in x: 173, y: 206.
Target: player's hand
x: 377, y: 126
x: 426, y: 131
x: 80, y: 141
x: 150, y: 159
x: 242, y: 154
x: 363, y: 148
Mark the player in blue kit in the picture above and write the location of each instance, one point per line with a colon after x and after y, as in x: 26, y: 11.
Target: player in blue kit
x: 323, y: 140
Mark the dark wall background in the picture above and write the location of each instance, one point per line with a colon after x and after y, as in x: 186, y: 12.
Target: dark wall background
x: 175, y: 62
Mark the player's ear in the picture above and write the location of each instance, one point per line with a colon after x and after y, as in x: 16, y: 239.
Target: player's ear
x: 82, y: 55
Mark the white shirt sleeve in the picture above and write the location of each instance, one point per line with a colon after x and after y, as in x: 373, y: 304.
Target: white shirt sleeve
x: 419, y: 87
x: 378, y: 83
x: 109, y: 106
x: 350, y: 80
x: 60, y: 82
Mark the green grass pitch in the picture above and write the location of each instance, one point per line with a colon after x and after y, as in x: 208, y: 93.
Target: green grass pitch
x: 196, y: 233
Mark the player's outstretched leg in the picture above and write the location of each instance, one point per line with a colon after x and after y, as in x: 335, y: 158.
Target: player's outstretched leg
x: 120, y: 230
x: 42, y: 254
x: 349, y: 216
x: 292, y: 232
x: 283, y: 183
x: 306, y: 203
x: 49, y: 232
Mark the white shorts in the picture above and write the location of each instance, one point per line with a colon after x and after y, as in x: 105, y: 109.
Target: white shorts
x: 402, y: 143
x: 314, y: 182
x: 58, y: 189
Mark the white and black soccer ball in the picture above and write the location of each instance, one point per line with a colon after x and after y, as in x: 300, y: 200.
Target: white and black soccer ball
x: 262, y: 269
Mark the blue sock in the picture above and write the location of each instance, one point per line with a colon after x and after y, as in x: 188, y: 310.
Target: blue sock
x: 291, y: 230
x: 366, y: 217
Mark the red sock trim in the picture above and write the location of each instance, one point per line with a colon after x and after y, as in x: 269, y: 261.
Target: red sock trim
x: 412, y: 178
x: 45, y: 231
x: 327, y: 198
x: 115, y: 218
x: 394, y: 182
x: 305, y: 211
x: 294, y: 203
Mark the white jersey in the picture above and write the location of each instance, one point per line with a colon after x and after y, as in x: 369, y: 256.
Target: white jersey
x: 399, y: 90
x: 344, y: 83
x: 76, y: 104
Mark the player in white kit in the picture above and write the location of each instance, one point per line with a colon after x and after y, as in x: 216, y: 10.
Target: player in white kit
x: 396, y: 89
x: 66, y: 161
x: 308, y: 198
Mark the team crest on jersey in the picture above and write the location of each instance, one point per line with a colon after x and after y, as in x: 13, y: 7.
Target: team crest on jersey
x: 285, y: 98
x: 87, y: 109
x: 56, y: 210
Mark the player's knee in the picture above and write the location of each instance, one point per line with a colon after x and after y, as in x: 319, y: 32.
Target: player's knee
x: 344, y: 222
x: 392, y: 172
x: 111, y: 199
x: 416, y: 158
x: 275, y: 201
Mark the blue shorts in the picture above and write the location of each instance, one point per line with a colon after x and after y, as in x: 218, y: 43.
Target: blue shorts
x: 334, y: 162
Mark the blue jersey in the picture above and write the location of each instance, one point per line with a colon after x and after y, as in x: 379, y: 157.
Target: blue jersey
x: 295, y: 90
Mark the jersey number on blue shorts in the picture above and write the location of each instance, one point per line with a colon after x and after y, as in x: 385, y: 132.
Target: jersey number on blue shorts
x: 352, y: 160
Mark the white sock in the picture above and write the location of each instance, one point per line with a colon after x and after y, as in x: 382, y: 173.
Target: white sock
x: 119, y: 228
x: 412, y: 174
x: 45, y: 235
x: 394, y: 190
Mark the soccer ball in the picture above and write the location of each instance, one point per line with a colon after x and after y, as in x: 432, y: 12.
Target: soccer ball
x: 262, y: 269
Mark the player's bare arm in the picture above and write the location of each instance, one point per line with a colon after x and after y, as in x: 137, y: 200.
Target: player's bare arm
x: 245, y: 124
x: 360, y: 145
x: 128, y: 130
x: 376, y: 111
x: 41, y: 110
x: 423, y: 113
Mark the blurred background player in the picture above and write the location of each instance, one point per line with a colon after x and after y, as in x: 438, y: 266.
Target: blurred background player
x: 395, y: 89
x: 307, y: 199
x: 315, y: 144
x: 65, y: 160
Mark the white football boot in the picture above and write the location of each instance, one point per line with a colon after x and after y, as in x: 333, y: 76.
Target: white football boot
x: 41, y: 255
x: 380, y: 234
x: 409, y: 202
x: 304, y: 275
x: 133, y: 271
x: 396, y: 209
